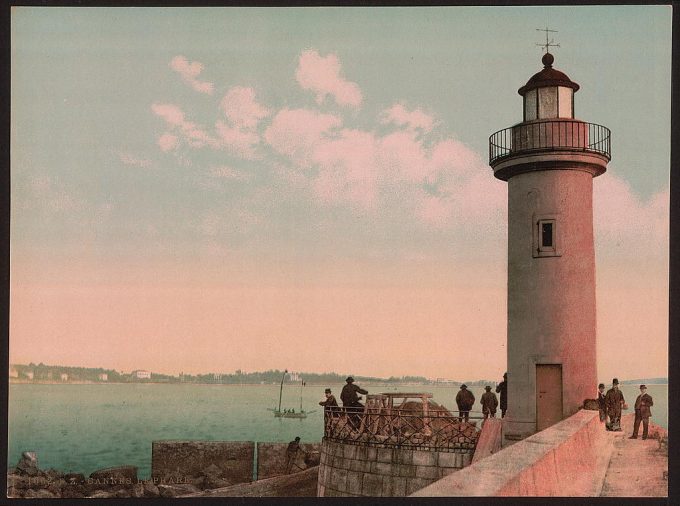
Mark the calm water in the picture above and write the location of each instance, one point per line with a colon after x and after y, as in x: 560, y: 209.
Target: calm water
x: 82, y: 428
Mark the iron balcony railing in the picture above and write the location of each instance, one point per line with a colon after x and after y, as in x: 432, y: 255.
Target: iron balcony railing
x: 437, y: 430
x: 567, y: 135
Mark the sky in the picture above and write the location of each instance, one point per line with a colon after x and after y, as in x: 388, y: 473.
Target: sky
x: 211, y: 189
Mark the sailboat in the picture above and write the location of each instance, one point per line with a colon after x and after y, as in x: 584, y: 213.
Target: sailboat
x: 290, y: 413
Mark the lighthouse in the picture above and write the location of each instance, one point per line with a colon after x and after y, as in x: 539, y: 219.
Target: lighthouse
x: 549, y: 161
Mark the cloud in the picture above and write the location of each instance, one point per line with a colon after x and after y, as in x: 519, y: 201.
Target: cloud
x: 129, y: 159
x: 296, y: 132
x: 416, y: 119
x: 189, y: 72
x: 192, y: 134
x: 241, y: 108
x: 168, y: 141
x: 625, y: 225
x: 321, y: 75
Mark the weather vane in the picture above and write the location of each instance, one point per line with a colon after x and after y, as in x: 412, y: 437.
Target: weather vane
x: 548, y: 43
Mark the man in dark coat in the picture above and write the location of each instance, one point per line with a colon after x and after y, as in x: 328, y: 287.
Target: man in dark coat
x: 330, y: 407
x: 600, y: 402
x: 642, y: 412
x: 291, y: 454
x: 502, y: 388
x: 465, y: 400
x: 614, y: 402
x: 350, y: 401
x: 489, y: 403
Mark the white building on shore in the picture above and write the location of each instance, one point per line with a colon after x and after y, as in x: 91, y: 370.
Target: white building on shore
x: 141, y: 374
x: 103, y: 377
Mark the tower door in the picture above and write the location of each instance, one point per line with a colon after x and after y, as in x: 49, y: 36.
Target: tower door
x: 548, y: 395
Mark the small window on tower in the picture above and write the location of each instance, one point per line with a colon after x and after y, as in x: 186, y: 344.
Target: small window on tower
x: 545, y: 236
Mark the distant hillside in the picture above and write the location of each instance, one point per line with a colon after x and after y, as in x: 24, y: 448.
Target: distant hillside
x: 646, y: 381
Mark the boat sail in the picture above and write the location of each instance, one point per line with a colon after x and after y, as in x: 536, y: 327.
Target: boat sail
x: 290, y: 413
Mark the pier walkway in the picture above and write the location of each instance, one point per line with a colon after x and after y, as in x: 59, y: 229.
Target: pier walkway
x: 637, y: 468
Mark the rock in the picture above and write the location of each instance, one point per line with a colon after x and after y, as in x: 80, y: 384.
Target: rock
x: 14, y: 492
x: 121, y: 492
x: 28, y: 464
x: 312, y: 459
x: 54, y: 474
x: 101, y: 494
x: 73, y: 491
x: 56, y: 486
x: 212, y: 470
x: 38, y: 494
x: 151, y: 490
x: 212, y: 481
x: 116, y: 475
x: 177, y: 490
x: 74, y: 478
x: 137, y: 490
x: 591, y: 405
x: 18, y: 481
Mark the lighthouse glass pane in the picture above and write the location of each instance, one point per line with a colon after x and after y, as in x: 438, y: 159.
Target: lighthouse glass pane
x: 565, y: 96
x: 547, y: 102
x: 530, y: 105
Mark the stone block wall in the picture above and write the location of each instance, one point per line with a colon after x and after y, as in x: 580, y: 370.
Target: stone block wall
x: 184, y: 461
x: 348, y: 470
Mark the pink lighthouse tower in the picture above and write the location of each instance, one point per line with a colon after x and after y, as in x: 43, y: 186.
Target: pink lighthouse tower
x: 549, y: 161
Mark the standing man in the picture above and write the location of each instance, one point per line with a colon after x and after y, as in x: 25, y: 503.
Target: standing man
x: 600, y: 403
x: 502, y: 388
x: 465, y: 400
x: 291, y: 454
x: 642, y: 412
x: 350, y: 401
x: 489, y: 403
x: 330, y: 407
x: 614, y: 402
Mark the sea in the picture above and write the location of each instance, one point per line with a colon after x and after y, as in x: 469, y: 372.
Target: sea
x: 85, y: 427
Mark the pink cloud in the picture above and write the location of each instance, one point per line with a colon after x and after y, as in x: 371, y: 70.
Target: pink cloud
x: 321, y: 75
x: 624, y: 223
x: 295, y: 132
x: 190, y: 72
x: 193, y: 134
x: 168, y: 142
x: 241, y: 108
x: 416, y: 119
x: 169, y: 112
x: 236, y: 140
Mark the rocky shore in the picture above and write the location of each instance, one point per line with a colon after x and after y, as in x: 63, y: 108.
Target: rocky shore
x: 27, y: 480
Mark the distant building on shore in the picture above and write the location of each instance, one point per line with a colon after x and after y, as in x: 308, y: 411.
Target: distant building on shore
x: 141, y: 374
x: 13, y: 373
x: 29, y: 374
x: 64, y: 376
x: 103, y: 377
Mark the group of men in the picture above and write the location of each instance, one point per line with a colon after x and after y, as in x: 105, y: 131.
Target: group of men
x: 612, y: 403
x: 465, y: 399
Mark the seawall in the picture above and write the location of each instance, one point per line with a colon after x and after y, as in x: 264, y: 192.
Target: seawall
x: 568, y: 459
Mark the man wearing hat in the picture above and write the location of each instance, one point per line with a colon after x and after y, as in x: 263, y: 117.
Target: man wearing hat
x: 489, y: 403
x: 502, y: 388
x: 614, y: 401
x: 465, y: 400
x: 600, y: 402
x: 350, y: 400
x: 330, y: 405
x: 642, y: 412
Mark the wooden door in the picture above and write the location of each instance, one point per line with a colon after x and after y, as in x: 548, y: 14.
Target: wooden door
x: 548, y: 395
